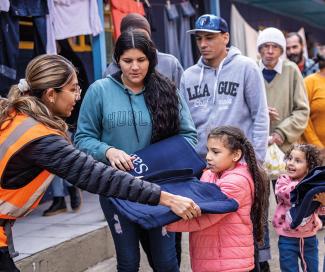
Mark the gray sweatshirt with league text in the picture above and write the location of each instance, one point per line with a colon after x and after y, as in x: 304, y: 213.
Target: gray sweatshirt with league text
x: 233, y: 94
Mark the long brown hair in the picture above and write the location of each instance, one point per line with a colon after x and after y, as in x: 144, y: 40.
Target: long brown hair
x: 234, y: 139
x: 42, y: 73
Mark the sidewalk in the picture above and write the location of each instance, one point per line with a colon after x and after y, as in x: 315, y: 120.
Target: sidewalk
x: 110, y: 264
x: 63, y: 242
x: 75, y: 242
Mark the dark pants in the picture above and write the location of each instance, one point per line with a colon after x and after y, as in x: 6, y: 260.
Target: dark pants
x: 289, y: 253
x: 6, y: 263
x: 126, y: 235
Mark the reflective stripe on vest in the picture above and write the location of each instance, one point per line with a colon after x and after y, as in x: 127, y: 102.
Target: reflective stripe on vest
x: 18, y: 202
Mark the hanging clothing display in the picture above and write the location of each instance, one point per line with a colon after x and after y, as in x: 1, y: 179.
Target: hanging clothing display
x: 243, y: 36
x: 4, y: 5
x: 121, y: 9
x: 172, y: 18
x: 171, y: 34
x: 68, y: 23
x: 186, y: 11
x: 9, y: 36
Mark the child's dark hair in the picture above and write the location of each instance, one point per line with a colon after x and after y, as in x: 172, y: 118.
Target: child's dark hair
x: 234, y: 139
x: 311, y: 152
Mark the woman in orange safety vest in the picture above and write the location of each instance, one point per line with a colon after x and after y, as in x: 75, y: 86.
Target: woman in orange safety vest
x: 34, y: 147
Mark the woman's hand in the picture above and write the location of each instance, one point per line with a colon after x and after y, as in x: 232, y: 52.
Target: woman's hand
x: 320, y: 198
x: 182, y: 206
x: 119, y: 159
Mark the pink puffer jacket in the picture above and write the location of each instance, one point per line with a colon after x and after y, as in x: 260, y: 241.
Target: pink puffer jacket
x: 223, y: 242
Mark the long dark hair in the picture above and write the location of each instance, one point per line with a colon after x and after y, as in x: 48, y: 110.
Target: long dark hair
x: 234, y: 139
x: 160, y: 93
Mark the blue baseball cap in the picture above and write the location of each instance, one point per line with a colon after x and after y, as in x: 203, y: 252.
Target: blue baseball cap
x: 210, y: 23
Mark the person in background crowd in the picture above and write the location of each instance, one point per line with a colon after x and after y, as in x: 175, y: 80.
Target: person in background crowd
x: 34, y: 145
x: 315, y: 130
x: 167, y: 64
x: 295, y: 53
x: 224, y: 87
x: 287, y: 102
x: 231, y: 233
x: 300, y: 243
x: 315, y: 86
x: 285, y: 91
x: 59, y: 205
x: 126, y: 112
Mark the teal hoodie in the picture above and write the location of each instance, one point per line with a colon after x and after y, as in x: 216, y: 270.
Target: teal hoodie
x: 107, y: 117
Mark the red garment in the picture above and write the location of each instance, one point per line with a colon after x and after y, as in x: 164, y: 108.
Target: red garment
x: 122, y: 8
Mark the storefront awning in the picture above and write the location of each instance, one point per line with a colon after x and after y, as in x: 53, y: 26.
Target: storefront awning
x: 308, y: 11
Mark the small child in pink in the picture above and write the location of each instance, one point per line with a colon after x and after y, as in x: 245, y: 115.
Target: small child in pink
x: 224, y: 242
x: 300, y: 242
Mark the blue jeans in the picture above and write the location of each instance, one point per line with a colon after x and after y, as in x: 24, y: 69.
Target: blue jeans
x: 58, y: 186
x: 126, y: 235
x: 289, y: 252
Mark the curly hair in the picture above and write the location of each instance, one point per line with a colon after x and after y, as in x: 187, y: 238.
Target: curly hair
x: 160, y: 93
x: 312, y: 154
x: 234, y: 139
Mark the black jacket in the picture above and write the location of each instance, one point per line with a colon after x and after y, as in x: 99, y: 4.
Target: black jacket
x: 56, y: 155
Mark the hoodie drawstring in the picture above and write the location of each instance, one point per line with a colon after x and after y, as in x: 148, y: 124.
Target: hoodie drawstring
x: 201, y: 77
x: 133, y: 117
x: 215, y: 87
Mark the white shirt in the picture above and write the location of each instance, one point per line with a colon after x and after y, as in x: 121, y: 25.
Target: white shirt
x: 70, y: 18
x: 277, y: 68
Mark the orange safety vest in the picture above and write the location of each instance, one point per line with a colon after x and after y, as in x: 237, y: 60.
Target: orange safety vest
x: 16, y: 203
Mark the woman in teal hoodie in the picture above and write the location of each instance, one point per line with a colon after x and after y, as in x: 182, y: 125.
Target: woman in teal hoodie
x: 124, y: 113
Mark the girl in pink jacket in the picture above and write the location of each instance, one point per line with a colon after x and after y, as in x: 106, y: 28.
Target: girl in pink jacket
x: 300, y: 242
x: 224, y: 242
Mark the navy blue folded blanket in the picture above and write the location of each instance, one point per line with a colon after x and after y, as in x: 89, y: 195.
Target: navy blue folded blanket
x: 302, y: 196
x: 207, y: 195
x: 169, y: 154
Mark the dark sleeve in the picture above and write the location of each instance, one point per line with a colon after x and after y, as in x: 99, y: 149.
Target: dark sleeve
x: 56, y: 155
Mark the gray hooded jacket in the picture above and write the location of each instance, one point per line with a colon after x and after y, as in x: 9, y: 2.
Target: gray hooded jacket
x: 233, y: 94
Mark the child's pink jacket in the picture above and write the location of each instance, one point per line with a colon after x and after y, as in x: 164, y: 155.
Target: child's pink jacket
x: 223, y: 242
x: 281, y: 219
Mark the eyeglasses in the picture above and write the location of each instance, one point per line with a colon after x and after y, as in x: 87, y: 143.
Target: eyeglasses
x: 77, y: 91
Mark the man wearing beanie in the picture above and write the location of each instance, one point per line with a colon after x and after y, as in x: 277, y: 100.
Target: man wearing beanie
x: 287, y: 102
x: 224, y: 87
x: 285, y: 91
x: 167, y: 65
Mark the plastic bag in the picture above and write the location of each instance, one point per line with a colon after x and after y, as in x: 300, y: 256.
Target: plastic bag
x: 274, y: 162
